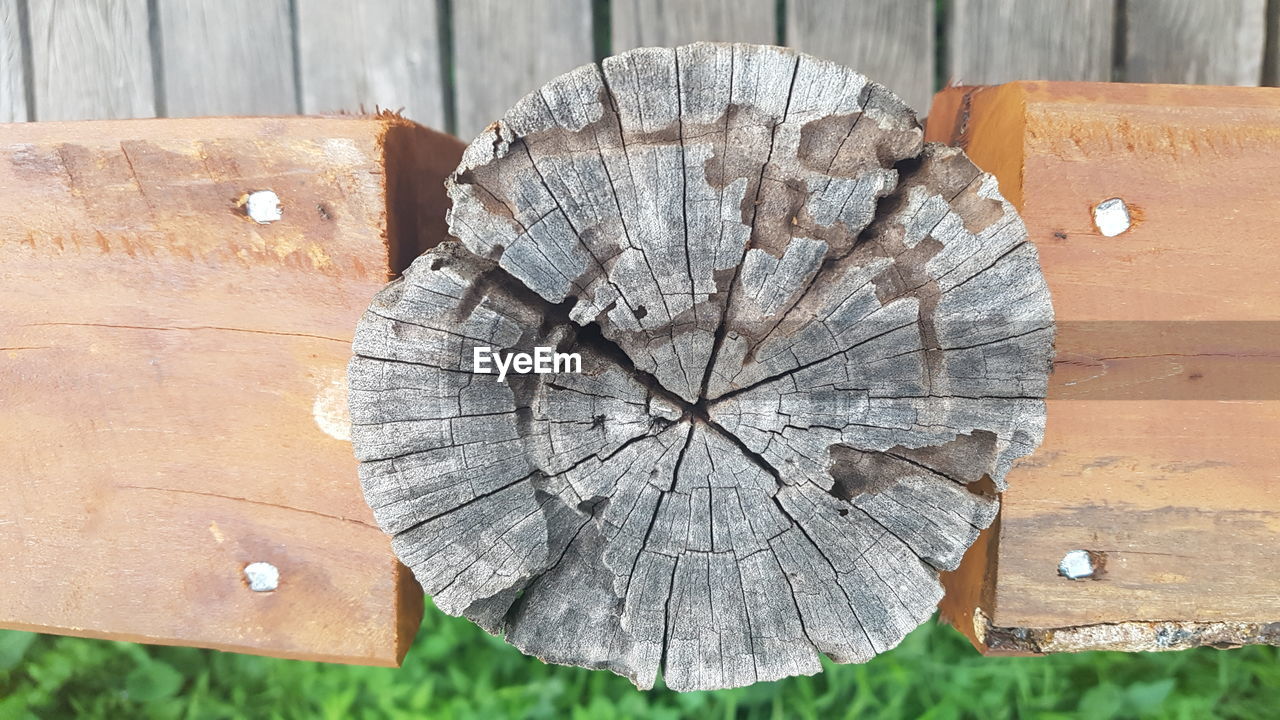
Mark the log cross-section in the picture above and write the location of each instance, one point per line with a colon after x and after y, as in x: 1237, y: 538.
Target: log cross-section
x: 806, y: 338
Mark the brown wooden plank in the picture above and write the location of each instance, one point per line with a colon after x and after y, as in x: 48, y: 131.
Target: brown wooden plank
x: 227, y: 57
x: 503, y: 49
x: 13, y: 84
x: 667, y: 23
x: 1166, y: 389
x: 91, y: 60
x: 890, y: 41
x: 383, y: 53
x: 173, y: 376
x: 1188, y: 41
x: 995, y: 41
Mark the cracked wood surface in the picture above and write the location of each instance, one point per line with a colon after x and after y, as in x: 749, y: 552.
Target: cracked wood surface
x: 172, y: 378
x: 806, y: 338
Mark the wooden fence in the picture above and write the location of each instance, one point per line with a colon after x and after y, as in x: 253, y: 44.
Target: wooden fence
x: 458, y: 64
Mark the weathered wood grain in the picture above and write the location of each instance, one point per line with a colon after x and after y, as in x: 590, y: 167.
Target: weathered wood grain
x: 374, y: 54
x: 805, y: 336
x: 891, y: 41
x: 227, y: 57
x: 1185, y: 41
x: 172, y: 376
x: 13, y: 82
x: 91, y: 60
x: 667, y: 23
x: 1157, y: 455
x: 501, y: 48
x: 995, y: 41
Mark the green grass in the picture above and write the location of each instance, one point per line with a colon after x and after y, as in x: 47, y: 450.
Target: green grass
x: 455, y: 670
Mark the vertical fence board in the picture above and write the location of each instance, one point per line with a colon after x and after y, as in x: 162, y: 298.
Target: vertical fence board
x: 995, y: 41
x: 1191, y: 41
x: 379, y: 53
x: 91, y: 60
x: 890, y: 41
x: 503, y: 49
x: 645, y: 23
x: 13, y: 86
x: 227, y: 57
x: 1271, y: 54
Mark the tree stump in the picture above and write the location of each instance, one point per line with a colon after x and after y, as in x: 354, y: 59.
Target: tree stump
x: 805, y: 338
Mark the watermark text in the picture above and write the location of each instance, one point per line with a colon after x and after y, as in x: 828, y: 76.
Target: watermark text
x: 542, y: 361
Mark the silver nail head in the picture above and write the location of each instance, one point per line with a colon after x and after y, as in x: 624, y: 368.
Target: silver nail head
x: 1076, y: 565
x: 263, y: 207
x: 1112, y: 217
x: 262, y: 577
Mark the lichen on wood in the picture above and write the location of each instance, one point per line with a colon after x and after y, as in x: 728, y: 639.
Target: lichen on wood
x: 812, y: 346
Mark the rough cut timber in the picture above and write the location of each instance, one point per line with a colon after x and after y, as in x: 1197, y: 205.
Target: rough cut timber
x: 172, y: 378
x: 806, y: 337
x: 1159, y: 457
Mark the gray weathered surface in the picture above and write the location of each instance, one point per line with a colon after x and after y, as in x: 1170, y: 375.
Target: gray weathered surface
x: 227, y: 57
x: 805, y: 337
x: 94, y: 59
x: 996, y: 41
x: 1191, y: 41
x: 889, y: 40
x: 13, y: 86
x: 377, y: 53
x: 1271, y: 53
x: 658, y: 23
x: 91, y: 60
x: 501, y: 48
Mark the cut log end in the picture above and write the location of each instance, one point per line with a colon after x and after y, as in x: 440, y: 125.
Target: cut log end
x: 805, y: 339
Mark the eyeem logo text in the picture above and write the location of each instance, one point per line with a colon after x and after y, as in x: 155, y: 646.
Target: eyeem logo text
x: 542, y: 361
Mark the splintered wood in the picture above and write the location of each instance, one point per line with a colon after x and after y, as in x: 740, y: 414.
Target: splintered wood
x: 805, y: 335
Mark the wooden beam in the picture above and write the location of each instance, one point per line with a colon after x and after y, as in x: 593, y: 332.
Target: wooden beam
x: 1158, y: 459
x: 173, y: 376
